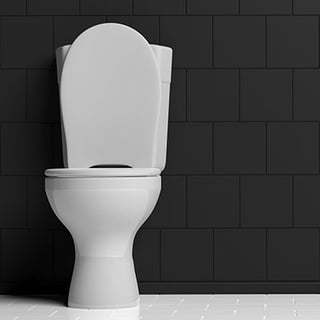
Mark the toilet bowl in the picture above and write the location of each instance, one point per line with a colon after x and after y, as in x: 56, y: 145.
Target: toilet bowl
x: 114, y: 96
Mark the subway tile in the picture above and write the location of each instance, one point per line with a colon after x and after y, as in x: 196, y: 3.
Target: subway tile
x: 213, y: 7
x: 266, y: 95
x: 266, y: 7
x: 212, y: 95
x: 13, y: 7
x: 26, y: 42
x: 105, y: 7
x: 147, y: 255
x: 292, y: 41
x: 26, y: 256
x: 293, y: 255
x: 26, y: 148
x: 13, y: 95
x: 148, y: 26
x: 56, y: 7
x: 178, y: 104
x: 170, y: 210
x: 43, y: 99
x: 160, y: 7
x: 306, y: 95
x: 293, y: 148
x: 239, y: 255
x: 13, y: 202
x: 213, y: 201
x: 64, y: 255
x: 186, y: 255
x: 191, y: 40
x: 67, y: 28
x: 189, y: 148
x: 239, y: 148
x: 306, y: 6
x: 40, y: 214
x: 239, y: 41
x: 307, y: 201
x: 266, y: 201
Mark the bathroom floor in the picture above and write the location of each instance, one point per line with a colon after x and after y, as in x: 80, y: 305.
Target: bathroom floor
x: 174, y: 307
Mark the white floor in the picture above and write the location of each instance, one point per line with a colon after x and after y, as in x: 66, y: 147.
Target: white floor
x: 173, y: 307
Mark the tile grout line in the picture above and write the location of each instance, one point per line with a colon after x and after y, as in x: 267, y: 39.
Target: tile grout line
x: 240, y: 204
x: 213, y: 257
x: 27, y: 201
x: 293, y: 220
x: 212, y: 147
x: 266, y: 42
x: 267, y: 258
x: 292, y: 94
x: 212, y: 41
x: 239, y: 95
x: 160, y: 254
x: 186, y: 191
x: 53, y: 256
x: 266, y: 148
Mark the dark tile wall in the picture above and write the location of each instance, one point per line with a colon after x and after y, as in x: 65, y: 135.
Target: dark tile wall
x: 240, y: 205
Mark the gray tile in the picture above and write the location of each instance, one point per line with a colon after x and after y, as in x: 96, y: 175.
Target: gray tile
x: 178, y: 87
x: 189, y: 148
x: 266, y: 201
x: 26, y: 256
x: 239, y: 255
x: 56, y: 7
x: 26, y: 42
x: 292, y: 41
x: 170, y: 210
x: 186, y: 255
x: 13, y: 202
x: 103, y: 7
x: 266, y: 95
x: 213, y: 201
x: 161, y: 7
x: 307, y: 95
x: 26, y: 148
x: 293, y: 148
x: 147, y: 255
x: 213, y: 7
x: 239, y: 42
x: 212, y: 95
x: 307, y: 201
x: 293, y: 255
x: 13, y: 95
x: 40, y: 214
x: 13, y: 7
x: 43, y: 96
x: 306, y: 6
x: 266, y: 7
x: 239, y: 148
x: 191, y: 40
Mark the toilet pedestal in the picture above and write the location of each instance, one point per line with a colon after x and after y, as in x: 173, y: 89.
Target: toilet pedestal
x: 103, y: 282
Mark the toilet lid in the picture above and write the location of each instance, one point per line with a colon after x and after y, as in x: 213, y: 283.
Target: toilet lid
x: 102, y: 172
x: 110, y: 98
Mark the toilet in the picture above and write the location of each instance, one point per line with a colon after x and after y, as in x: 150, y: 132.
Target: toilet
x: 114, y: 97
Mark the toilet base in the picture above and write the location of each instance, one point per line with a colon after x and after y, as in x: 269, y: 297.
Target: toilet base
x: 103, y: 283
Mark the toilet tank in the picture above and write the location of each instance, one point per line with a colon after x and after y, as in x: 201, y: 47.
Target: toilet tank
x: 163, y: 57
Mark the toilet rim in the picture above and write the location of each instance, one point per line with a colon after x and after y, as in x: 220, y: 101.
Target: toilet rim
x: 101, y: 172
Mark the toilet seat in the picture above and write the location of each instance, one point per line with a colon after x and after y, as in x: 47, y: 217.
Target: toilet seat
x: 102, y: 172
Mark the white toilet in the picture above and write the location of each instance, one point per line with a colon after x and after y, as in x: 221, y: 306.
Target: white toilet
x: 114, y: 95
